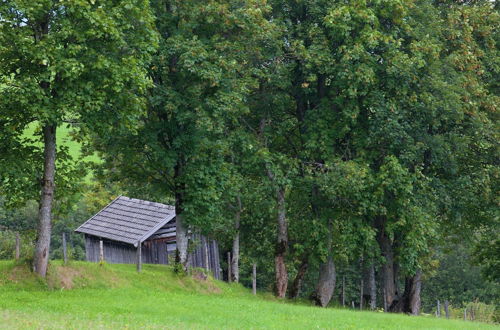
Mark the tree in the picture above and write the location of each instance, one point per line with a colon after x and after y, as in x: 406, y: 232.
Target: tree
x: 69, y: 62
x: 204, y: 70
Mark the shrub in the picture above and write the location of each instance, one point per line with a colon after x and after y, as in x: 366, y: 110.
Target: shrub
x: 476, y: 311
x: 8, y: 245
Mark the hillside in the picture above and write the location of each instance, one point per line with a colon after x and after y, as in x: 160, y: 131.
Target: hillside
x: 115, y: 296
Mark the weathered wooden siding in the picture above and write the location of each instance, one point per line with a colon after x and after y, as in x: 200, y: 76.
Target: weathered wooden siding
x: 198, y: 257
x: 114, y: 252
x: 159, y: 249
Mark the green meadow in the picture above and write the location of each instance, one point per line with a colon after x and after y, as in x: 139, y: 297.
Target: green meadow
x: 63, y: 139
x: 87, y: 295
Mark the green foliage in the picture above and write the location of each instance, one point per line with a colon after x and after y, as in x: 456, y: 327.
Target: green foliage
x: 8, y: 245
x: 457, y: 280
x: 379, y: 117
x: 65, y: 62
x: 486, y: 255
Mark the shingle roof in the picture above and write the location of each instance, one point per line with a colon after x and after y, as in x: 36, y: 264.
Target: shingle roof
x: 128, y: 220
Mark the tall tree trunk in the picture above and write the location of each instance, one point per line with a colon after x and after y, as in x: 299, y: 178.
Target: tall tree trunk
x: 46, y: 200
x: 326, y: 282
x: 388, y: 271
x: 373, y: 287
x: 409, y: 301
x: 235, y: 269
x: 281, y: 246
x: 362, y: 285
x: 299, y: 278
x: 414, y: 299
x: 181, y: 235
x: 327, y: 275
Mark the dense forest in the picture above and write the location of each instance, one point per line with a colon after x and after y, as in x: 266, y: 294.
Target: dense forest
x: 349, y: 149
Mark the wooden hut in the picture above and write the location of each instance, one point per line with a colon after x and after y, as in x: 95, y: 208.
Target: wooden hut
x: 127, y: 222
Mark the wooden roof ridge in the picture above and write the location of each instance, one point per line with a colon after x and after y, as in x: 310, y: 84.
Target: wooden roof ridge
x: 131, y: 210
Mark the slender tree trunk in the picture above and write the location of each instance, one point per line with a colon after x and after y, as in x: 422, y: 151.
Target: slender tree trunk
x: 388, y: 278
x: 388, y: 271
x: 181, y: 228
x: 299, y: 278
x: 254, y: 278
x: 361, y: 293
x: 373, y: 287
x: 362, y: 283
x: 181, y: 238
x: 343, y: 290
x: 327, y: 275
x: 46, y: 200
x: 414, y: 299
x: 281, y: 246
x: 235, y: 271
x: 229, y: 276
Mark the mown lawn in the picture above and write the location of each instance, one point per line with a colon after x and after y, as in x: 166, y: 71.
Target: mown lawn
x: 86, y: 295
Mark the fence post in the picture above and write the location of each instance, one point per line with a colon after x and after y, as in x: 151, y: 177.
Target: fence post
x: 139, y: 256
x: 446, y: 310
x: 254, y: 278
x: 101, y: 252
x: 205, y: 248
x: 65, y: 251
x: 438, y: 310
x: 18, y: 246
x: 465, y: 314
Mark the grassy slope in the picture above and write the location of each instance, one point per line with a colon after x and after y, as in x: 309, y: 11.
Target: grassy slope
x: 63, y: 136
x: 115, y: 296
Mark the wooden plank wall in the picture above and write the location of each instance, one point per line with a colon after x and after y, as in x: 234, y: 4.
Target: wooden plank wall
x: 114, y: 252
x: 197, y: 257
x: 154, y: 251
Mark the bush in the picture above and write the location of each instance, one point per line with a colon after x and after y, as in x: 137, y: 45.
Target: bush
x: 8, y: 245
x: 476, y: 311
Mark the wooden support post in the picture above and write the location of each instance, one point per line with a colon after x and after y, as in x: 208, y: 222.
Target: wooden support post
x: 205, y: 247
x: 254, y: 278
x: 18, y: 246
x: 343, y: 290
x: 65, y: 251
x: 139, y: 256
x: 446, y: 309
x: 229, y: 267
x: 465, y: 314
x: 438, y: 310
x: 352, y: 302
x: 101, y: 252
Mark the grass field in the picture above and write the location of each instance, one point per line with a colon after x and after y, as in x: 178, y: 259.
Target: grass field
x: 64, y: 139
x: 86, y: 295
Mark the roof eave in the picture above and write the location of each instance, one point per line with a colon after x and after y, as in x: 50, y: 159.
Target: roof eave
x: 155, y: 228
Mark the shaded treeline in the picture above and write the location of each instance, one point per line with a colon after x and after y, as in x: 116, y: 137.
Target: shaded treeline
x: 308, y: 137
